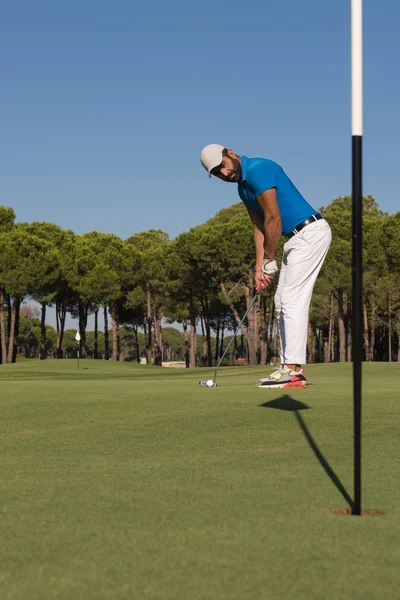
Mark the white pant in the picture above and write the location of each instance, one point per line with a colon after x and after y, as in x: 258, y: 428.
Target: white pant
x: 302, y: 260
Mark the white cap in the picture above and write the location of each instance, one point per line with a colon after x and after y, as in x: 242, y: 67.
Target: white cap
x: 211, y: 157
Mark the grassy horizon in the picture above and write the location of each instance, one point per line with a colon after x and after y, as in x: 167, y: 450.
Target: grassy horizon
x: 127, y: 481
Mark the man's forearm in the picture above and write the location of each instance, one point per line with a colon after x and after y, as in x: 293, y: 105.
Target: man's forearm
x: 272, y: 235
x: 259, y: 244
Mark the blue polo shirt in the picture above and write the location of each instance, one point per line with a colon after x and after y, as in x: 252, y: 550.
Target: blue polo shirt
x: 261, y: 174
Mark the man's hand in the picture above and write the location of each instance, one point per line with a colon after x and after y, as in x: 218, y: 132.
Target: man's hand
x: 261, y: 281
x: 265, y: 275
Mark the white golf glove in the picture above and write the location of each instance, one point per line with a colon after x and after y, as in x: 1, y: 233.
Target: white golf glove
x: 269, y: 267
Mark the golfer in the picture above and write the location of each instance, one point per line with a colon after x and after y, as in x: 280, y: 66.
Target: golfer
x: 277, y: 208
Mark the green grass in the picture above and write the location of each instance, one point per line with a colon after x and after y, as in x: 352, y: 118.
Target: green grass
x: 128, y: 482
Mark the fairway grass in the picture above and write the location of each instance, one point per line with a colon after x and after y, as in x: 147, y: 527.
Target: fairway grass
x: 121, y: 481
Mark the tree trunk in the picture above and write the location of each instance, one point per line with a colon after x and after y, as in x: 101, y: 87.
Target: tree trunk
x: 9, y: 309
x: 160, y: 337
x: 63, y: 318
x: 331, y: 333
x: 206, y: 312
x: 192, y: 316
x: 264, y: 332
x: 349, y: 347
x: 342, y: 340
x: 149, y: 348
x: 271, y: 329
x: 347, y: 323
x: 16, y: 330
x: 106, y: 340
x: 342, y: 332
x: 366, y: 336
x: 83, y: 313
x: 135, y: 329
x: 96, y: 332
x: 389, y: 329
x: 326, y: 351
x: 310, y: 345
x: 145, y: 337
x: 398, y: 344
x: 243, y: 353
x: 235, y: 349
x: 263, y: 351
x: 187, y: 348
x: 318, y: 338
x: 115, y: 331
x: 149, y: 354
x: 157, y: 338
x: 57, y: 328
x: 221, y: 349
x: 217, y: 340
x: 3, y: 348
x: 208, y: 337
x: 43, y: 336
x: 3, y: 344
x: 155, y: 329
x: 61, y: 315
x: 372, y: 338
x: 204, y: 341
x: 259, y: 337
x: 13, y: 330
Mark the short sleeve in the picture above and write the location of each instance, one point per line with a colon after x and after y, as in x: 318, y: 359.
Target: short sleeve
x: 261, y: 176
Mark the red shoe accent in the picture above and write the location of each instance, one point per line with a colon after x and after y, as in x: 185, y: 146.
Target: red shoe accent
x: 294, y: 384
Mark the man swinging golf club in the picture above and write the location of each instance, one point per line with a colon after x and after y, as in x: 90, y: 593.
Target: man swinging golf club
x: 277, y: 208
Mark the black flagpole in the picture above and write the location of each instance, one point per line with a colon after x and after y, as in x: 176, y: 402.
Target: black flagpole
x: 357, y: 266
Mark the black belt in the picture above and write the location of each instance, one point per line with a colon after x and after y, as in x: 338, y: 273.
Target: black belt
x: 301, y: 226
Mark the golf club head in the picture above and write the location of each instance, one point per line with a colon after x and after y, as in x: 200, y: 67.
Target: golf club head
x: 205, y: 384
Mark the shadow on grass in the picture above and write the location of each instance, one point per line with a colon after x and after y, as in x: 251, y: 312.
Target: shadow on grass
x: 289, y: 404
x: 285, y: 403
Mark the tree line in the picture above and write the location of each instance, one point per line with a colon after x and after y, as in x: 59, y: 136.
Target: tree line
x: 203, y: 280
x: 29, y: 341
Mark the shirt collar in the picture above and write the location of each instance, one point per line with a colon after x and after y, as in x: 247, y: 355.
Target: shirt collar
x: 243, y: 161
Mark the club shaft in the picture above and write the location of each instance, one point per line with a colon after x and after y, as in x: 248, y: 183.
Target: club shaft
x: 234, y: 335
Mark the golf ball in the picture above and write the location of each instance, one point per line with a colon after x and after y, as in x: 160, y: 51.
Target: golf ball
x: 210, y: 383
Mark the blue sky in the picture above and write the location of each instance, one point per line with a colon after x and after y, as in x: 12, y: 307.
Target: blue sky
x: 105, y: 106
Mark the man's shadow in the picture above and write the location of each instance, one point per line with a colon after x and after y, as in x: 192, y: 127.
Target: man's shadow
x: 287, y: 403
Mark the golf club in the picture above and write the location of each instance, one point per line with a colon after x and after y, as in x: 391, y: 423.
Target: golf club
x: 212, y: 382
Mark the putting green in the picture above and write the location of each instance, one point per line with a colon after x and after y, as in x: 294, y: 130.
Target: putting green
x: 124, y: 481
